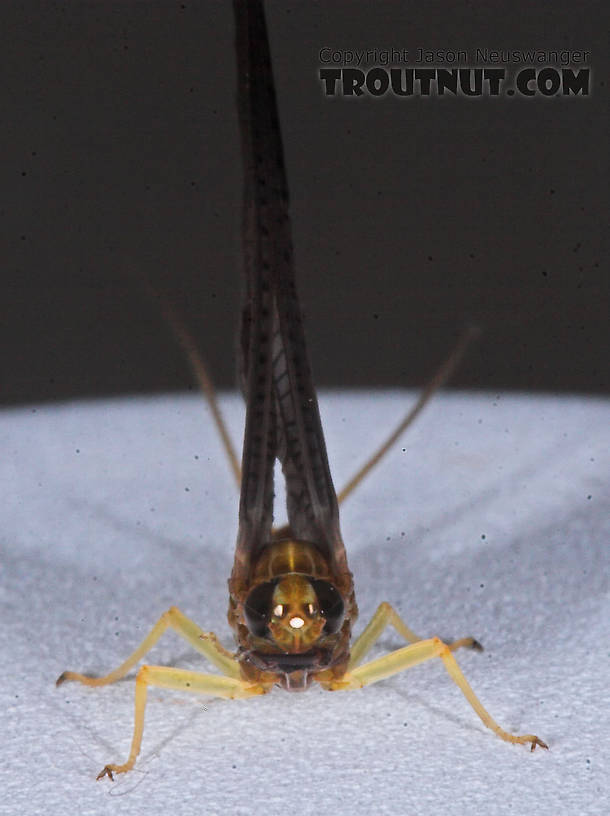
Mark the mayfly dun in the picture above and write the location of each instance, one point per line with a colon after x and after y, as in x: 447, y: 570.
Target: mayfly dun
x: 292, y: 604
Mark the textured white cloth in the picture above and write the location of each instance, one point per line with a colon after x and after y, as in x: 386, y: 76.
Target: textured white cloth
x: 489, y: 518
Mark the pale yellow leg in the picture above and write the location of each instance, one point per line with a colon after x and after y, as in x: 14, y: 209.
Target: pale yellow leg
x: 205, y: 642
x: 416, y: 653
x: 180, y: 680
x: 386, y: 615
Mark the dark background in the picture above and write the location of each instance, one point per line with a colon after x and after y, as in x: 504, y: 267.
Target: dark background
x: 412, y: 218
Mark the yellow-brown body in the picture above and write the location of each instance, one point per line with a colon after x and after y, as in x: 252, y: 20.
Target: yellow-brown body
x: 292, y: 603
x: 287, y: 655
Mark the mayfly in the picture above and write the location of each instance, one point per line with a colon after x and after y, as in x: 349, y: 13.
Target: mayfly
x: 292, y: 603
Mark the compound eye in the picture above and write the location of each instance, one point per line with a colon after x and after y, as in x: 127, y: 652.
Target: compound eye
x: 331, y: 605
x: 257, y: 609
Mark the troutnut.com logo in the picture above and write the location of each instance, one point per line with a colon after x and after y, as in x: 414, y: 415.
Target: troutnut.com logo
x: 339, y: 75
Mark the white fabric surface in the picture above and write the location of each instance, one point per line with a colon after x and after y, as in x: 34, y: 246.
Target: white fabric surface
x: 489, y: 518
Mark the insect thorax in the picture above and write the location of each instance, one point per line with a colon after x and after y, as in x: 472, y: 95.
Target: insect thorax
x: 292, y: 622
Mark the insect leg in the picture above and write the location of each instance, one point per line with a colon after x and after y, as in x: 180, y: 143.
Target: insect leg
x: 179, y: 680
x: 438, y: 381
x: 185, y: 339
x: 386, y: 615
x: 206, y: 385
x: 204, y: 642
x: 419, y: 652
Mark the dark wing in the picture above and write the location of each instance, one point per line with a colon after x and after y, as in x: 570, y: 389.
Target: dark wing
x: 282, y: 416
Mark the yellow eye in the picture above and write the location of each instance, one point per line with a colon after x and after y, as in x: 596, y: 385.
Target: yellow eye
x: 278, y: 610
x: 310, y: 609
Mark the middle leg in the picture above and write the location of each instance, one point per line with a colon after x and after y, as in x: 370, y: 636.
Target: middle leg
x: 386, y: 615
x: 205, y: 642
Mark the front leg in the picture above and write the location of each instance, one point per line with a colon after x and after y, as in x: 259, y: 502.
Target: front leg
x: 416, y: 653
x: 179, y: 680
x: 230, y: 686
